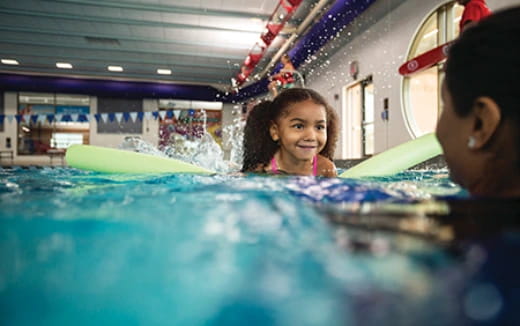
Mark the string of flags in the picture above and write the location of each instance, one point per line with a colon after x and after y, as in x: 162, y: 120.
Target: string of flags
x: 187, y: 115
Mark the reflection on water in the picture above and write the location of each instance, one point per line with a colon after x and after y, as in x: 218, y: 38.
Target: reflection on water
x: 229, y: 250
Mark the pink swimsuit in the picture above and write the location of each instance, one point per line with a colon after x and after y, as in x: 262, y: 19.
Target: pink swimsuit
x: 274, y: 166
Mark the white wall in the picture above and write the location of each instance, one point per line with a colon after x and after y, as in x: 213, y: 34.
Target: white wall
x: 10, y: 103
x: 380, y: 49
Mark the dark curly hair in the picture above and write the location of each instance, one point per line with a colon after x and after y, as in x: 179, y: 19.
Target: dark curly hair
x: 259, y: 147
x: 484, y: 62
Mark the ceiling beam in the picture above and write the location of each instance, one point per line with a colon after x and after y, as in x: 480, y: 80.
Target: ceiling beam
x: 125, y: 21
x: 124, y: 50
x: 118, y: 37
x: 160, y: 8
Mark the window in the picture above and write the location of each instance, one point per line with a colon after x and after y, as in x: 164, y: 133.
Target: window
x: 358, y: 120
x: 37, y: 121
x: 368, y: 117
x: 62, y: 140
x: 421, y: 91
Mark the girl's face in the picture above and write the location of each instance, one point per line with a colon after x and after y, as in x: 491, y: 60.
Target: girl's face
x: 301, y: 130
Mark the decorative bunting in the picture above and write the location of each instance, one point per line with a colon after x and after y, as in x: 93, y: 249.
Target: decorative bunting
x: 100, y: 117
x: 41, y: 118
x: 162, y: 114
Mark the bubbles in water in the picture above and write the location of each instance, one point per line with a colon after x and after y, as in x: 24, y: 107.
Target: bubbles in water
x: 483, y: 302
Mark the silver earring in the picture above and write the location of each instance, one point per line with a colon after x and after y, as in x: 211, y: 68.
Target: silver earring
x: 471, y: 142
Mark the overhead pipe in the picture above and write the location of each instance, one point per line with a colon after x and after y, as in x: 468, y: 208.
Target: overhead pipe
x: 341, y: 13
x: 275, y: 24
x: 301, y: 28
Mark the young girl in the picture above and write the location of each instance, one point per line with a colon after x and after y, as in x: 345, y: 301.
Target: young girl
x: 296, y: 133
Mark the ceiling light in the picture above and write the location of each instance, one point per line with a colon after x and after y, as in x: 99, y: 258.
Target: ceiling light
x: 63, y: 65
x: 164, y: 71
x: 10, y: 62
x: 115, y: 68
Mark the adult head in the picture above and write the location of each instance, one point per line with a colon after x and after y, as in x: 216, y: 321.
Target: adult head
x: 479, y: 128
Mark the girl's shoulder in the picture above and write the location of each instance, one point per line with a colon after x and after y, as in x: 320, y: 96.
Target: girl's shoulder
x: 326, y: 168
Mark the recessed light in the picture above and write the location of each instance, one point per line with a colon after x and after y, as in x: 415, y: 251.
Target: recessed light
x: 63, y: 65
x: 10, y: 62
x: 115, y: 68
x: 164, y: 71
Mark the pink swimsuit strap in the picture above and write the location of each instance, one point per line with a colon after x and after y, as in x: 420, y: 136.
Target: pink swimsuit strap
x: 274, y: 166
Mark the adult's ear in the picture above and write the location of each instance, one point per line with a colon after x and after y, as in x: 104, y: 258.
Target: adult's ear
x: 487, y: 115
x: 273, y: 131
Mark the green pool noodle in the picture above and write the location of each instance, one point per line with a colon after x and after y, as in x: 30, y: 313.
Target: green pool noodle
x: 110, y: 160
x: 397, y: 159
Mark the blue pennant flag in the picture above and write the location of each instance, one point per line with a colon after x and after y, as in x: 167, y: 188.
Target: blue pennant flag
x: 140, y: 116
x: 126, y: 116
x: 169, y: 114
x: 2, y: 117
x: 111, y: 117
x: 155, y: 115
x: 34, y: 118
x: 97, y: 116
x: 18, y: 118
x: 50, y: 118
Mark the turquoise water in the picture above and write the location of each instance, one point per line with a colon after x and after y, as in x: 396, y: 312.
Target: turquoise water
x: 87, y: 248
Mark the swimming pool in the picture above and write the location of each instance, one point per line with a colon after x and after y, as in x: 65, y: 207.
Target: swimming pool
x: 89, y: 248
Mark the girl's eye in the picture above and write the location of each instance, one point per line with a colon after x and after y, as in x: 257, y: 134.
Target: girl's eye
x: 320, y: 127
x: 298, y: 126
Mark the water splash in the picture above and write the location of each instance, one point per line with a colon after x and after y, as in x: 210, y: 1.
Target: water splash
x: 202, y: 151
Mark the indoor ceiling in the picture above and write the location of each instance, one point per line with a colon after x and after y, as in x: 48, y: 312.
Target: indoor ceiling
x: 202, y: 42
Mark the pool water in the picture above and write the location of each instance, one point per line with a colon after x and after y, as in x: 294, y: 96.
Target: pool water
x: 87, y: 248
